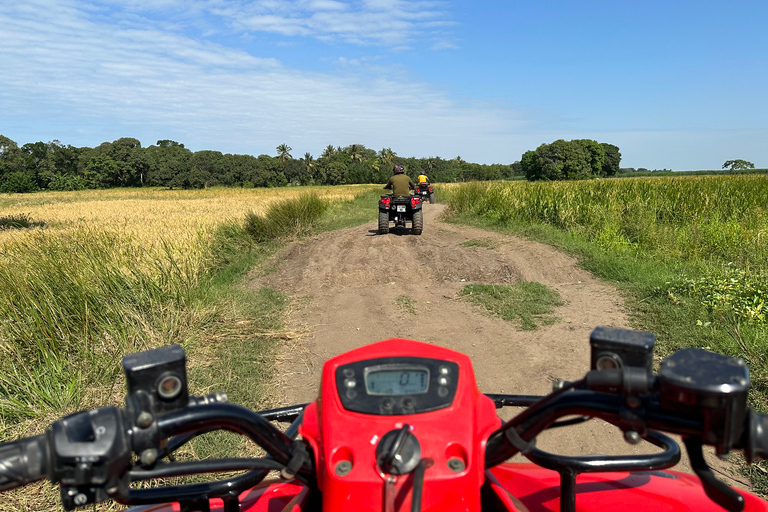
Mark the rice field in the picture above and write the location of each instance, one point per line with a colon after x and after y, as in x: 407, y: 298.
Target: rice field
x: 691, y: 251
x: 703, y: 217
x: 105, y: 273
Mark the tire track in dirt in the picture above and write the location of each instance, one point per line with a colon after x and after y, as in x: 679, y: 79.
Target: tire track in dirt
x: 345, y: 285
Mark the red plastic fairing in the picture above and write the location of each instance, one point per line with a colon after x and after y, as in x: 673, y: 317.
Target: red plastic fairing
x: 660, y: 491
x: 458, y: 431
x: 280, y: 496
x: 415, y: 200
x: 386, y: 200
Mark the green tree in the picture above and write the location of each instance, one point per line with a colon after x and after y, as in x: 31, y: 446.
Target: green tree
x: 328, y: 152
x: 738, y: 164
x: 10, y: 156
x: 284, y: 152
x: 309, y: 167
x: 564, y: 160
x: 100, y: 171
x: 206, y: 169
x: 334, y: 173
x: 17, y: 182
x: 355, y: 152
x: 167, y: 160
x: 387, y: 156
x: 612, y: 162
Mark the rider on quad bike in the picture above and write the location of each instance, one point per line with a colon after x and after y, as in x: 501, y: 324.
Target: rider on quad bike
x: 400, y: 207
x: 425, y: 191
x: 399, y: 183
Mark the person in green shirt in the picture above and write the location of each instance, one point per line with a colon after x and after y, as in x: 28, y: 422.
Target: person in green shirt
x: 400, y: 184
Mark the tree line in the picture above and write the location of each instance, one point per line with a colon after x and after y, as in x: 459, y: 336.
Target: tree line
x: 125, y: 163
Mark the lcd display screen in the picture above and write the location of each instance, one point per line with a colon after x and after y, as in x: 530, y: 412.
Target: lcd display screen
x: 402, y: 381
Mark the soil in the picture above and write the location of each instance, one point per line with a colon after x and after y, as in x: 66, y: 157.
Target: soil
x: 346, y: 284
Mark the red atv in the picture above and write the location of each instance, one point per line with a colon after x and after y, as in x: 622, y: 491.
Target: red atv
x: 401, y: 209
x: 426, y: 192
x: 401, y: 426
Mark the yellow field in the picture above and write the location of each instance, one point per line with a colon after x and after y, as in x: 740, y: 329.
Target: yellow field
x: 176, y: 216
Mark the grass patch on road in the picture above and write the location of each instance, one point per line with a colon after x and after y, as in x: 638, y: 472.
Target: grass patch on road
x: 480, y: 242
x: 407, y: 304
x: 529, y: 304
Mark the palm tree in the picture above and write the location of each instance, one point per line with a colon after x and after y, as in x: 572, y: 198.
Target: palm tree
x: 328, y: 151
x: 355, y: 152
x: 309, y: 164
x: 387, y: 155
x: 284, y: 152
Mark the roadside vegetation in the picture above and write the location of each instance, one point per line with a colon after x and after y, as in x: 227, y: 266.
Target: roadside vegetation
x: 689, y: 253
x: 118, y: 271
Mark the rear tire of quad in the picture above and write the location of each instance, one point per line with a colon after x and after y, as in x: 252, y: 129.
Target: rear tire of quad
x: 383, y: 223
x: 418, y: 222
x: 432, y: 198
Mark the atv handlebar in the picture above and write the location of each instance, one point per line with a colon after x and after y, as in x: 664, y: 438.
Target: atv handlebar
x: 698, y: 395
x: 23, y: 461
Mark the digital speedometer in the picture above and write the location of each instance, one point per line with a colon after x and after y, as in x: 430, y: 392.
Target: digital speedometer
x: 400, y: 381
x: 397, y: 385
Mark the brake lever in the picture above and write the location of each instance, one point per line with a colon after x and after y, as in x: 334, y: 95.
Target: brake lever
x: 717, y: 491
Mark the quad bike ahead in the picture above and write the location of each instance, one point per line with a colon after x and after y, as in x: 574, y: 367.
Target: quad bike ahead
x: 426, y: 192
x: 401, y: 209
x: 401, y: 426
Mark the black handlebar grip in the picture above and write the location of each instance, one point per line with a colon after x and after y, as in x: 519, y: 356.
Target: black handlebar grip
x: 23, y: 461
x: 756, y: 437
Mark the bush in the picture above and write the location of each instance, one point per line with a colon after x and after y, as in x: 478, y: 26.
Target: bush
x: 20, y: 221
x: 66, y: 182
x: 287, y: 218
x: 18, y: 183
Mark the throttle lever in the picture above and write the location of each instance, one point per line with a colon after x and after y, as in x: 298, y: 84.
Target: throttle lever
x: 716, y: 490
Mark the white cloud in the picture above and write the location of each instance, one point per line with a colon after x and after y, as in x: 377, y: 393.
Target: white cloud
x: 382, y: 22
x: 444, y: 45
x: 83, y: 81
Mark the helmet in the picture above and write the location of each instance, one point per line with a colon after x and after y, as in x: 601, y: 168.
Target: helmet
x: 398, y: 169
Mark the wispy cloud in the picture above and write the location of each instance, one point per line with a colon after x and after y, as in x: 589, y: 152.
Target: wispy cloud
x: 380, y: 22
x: 74, y: 64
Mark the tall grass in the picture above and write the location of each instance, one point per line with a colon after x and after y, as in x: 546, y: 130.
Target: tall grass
x: 292, y: 217
x: 122, y: 272
x: 690, y: 251
x: 72, y: 304
x: 719, y: 217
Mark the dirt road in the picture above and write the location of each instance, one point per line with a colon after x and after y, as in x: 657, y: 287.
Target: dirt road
x: 345, y: 285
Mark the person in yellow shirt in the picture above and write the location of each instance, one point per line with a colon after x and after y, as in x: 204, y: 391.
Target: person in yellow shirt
x: 423, y: 179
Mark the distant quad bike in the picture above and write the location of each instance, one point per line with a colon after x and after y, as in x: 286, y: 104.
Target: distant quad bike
x: 401, y: 209
x: 426, y: 192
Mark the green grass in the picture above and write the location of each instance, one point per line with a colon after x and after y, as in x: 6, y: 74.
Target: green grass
x: 73, y: 304
x: 20, y: 221
x: 528, y: 304
x: 309, y: 214
x: 480, y: 242
x: 406, y: 304
x: 287, y: 218
x: 688, y: 253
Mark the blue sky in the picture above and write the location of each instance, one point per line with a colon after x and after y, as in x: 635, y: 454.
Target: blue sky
x: 678, y: 85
